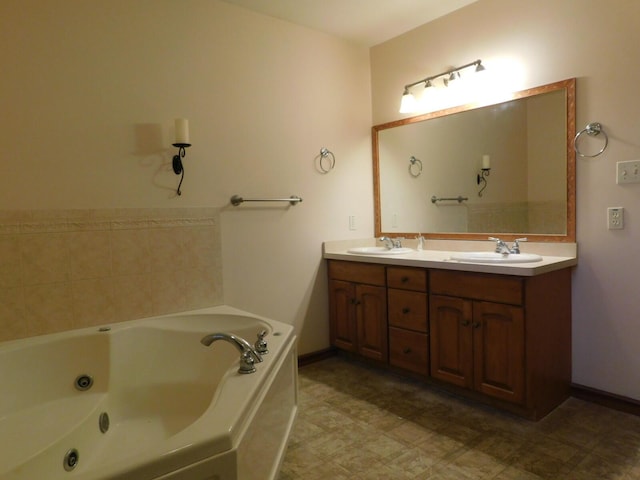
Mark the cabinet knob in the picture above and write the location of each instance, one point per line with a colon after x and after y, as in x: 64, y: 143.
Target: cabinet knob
x: 406, y: 310
x: 406, y: 350
x: 476, y: 325
x: 404, y: 279
x: 465, y: 323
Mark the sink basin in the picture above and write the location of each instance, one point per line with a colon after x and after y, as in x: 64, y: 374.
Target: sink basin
x: 492, y: 257
x: 380, y: 250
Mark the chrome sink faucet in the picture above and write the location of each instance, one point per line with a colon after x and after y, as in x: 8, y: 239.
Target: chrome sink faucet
x: 503, y: 248
x: 248, y: 355
x: 391, y: 243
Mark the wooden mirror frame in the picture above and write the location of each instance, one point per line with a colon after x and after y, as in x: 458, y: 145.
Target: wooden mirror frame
x: 569, y: 86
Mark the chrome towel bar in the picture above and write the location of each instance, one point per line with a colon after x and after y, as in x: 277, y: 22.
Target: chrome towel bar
x: 237, y: 200
x: 458, y: 199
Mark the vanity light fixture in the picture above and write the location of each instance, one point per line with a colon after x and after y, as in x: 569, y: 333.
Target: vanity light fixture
x: 181, y: 143
x: 409, y: 103
x: 484, y: 172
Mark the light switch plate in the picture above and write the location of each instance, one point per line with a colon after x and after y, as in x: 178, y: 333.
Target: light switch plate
x: 615, y: 218
x: 628, y: 172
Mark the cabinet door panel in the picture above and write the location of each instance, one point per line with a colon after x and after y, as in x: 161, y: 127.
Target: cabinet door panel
x: 342, y: 296
x: 499, y: 350
x: 371, y: 316
x: 451, y: 340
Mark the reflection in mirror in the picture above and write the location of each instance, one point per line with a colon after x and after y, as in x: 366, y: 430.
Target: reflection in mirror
x: 505, y: 169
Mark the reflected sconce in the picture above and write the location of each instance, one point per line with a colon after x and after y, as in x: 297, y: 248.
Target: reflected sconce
x: 181, y: 143
x: 483, y: 173
x: 409, y: 103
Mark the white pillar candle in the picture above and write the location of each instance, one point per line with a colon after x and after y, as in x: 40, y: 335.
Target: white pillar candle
x: 182, y: 130
x: 486, y: 162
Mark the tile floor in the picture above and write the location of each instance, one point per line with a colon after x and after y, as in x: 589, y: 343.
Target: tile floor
x: 359, y: 423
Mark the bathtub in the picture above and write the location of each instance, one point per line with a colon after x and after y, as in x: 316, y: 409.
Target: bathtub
x: 145, y: 400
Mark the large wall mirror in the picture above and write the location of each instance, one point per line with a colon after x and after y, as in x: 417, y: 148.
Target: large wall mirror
x: 426, y: 170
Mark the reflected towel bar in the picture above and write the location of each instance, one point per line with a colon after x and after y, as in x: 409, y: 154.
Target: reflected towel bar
x: 458, y: 199
x: 237, y: 200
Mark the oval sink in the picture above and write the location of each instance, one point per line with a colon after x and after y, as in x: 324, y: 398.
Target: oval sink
x: 493, y: 257
x: 379, y: 250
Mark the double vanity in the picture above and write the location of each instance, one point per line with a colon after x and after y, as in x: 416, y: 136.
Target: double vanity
x: 455, y: 314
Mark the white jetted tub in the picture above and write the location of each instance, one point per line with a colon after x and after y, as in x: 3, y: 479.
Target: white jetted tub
x: 146, y: 399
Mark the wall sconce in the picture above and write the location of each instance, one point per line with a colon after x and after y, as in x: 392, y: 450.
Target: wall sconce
x: 181, y: 143
x: 409, y: 103
x: 483, y: 173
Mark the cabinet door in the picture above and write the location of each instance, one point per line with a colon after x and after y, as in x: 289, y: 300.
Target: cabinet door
x: 498, y: 345
x: 451, y: 340
x: 342, y: 298
x: 371, y: 314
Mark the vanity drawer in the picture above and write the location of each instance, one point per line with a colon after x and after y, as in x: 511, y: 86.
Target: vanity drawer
x: 407, y: 309
x: 409, y: 350
x: 367, y: 273
x: 478, y: 286
x: 407, y: 278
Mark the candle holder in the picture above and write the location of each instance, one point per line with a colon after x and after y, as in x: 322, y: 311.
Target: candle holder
x: 480, y: 178
x: 178, y: 168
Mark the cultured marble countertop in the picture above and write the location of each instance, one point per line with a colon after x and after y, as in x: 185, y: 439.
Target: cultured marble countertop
x: 437, y: 254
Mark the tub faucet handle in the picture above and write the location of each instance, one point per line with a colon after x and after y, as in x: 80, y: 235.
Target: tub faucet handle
x: 261, y: 343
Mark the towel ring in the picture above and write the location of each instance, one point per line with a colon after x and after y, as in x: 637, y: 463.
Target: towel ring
x: 593, y: 130
x: 325, y: 153
x: 413, y: 161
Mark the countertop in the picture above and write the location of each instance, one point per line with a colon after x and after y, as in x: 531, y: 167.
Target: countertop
x: 437, y: 254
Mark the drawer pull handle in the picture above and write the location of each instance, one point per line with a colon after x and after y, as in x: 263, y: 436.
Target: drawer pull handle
x: 406, y: 310
x: 404, y: 279
x: 406, y: 350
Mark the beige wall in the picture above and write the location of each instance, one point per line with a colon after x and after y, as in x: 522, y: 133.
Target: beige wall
x: 546, y: 41
x: 89, y: 92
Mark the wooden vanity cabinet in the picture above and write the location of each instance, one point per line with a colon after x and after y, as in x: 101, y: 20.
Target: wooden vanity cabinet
x: 506, y: 337
x: 358, y: 308
x: 407, y: 301
x: 502, y: 339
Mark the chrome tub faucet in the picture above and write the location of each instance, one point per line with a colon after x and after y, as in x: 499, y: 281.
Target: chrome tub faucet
x: 248, y: 355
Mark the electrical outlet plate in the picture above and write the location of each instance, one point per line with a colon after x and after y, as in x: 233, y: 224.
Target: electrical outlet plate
x: 628, y: 172
x: 615, y: 218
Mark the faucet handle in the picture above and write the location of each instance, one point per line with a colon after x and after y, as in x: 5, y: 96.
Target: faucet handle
x: 261, y: 344
x: 516, y: 245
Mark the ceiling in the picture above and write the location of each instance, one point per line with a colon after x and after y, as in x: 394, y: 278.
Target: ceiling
x: 366, y: 22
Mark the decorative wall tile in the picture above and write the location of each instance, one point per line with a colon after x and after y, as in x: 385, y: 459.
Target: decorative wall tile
x: 93, y: 302
x: 45, y: 258
x: 89, y: 254
x: 63, y: 269
x: 12, y: 314
x: 10, y: 264
x: 48, y: 308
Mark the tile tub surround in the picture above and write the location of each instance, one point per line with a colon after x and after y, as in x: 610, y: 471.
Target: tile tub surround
x: 360, y: 423
x: 65, y: 269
